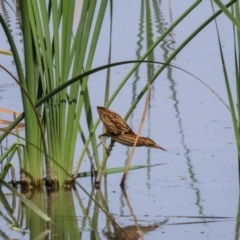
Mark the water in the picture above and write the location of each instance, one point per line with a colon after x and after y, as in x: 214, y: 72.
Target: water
x: 196, y: 192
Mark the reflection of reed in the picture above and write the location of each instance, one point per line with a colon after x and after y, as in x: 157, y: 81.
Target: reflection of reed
x: 172, y: 35
x: 166, y: 47
x: 6, y: 11
x: 139, y: 44
x: 18, y: 22
x: 5, y: 14
x: 136, y: 229
x: 151, y: 15
x: 131, y: 232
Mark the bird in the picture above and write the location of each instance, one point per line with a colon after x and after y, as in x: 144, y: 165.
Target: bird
x: 120, y: 131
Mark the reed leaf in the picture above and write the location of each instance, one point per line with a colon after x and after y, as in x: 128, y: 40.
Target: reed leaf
x: 235, y: 108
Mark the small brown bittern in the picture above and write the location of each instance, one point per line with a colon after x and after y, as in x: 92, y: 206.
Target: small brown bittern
x: 119, y: 131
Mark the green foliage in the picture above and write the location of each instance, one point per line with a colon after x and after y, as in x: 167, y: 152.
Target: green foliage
x: 234, y: 17
x: 59, y: 49
x: 53, y: 75
x: 53, y: 53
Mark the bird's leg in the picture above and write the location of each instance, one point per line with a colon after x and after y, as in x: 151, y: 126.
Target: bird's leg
x: 108, y: 150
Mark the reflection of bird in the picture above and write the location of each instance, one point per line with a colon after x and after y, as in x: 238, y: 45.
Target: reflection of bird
x: 119, y: 131
x: 132, y: 232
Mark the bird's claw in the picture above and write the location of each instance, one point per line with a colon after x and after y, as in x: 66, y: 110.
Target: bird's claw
x: 108, y: 151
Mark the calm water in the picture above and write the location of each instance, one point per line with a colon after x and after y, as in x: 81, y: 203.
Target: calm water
x: 198, y: 181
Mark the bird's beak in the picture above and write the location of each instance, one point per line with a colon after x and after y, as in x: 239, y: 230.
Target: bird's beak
x: 159, y: 147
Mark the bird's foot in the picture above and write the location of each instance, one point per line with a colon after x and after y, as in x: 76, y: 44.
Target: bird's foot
x: 108, y: 151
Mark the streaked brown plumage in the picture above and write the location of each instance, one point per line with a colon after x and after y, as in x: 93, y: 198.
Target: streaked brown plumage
x: 113, y: 122
x: 119, y: 130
